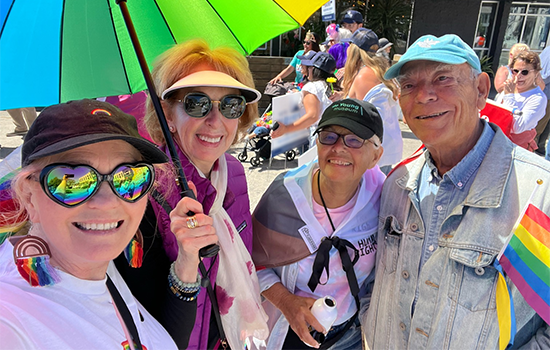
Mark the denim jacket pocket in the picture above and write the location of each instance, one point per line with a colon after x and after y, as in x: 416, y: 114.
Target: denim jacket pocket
x: 473, y: 279
x: 392, y: 240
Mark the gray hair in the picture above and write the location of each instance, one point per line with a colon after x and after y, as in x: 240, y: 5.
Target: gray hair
x: 375, y: 140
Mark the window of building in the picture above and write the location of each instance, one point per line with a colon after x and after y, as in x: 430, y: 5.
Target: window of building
x: 528, y: 23
x: 485, y: 28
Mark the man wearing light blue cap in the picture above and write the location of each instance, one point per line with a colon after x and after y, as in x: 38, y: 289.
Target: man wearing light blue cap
x: 447, y: 213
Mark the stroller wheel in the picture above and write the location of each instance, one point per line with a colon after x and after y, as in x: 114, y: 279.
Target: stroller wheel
x: 290, y: 155
x: 255, y: 161
x: 242, y: 156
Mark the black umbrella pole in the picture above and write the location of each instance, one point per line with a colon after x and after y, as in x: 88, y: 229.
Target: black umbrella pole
x: 185, y: 191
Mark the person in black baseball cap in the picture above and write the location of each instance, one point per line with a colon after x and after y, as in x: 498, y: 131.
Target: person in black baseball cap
x: 365, y: 39
x: 352, y: 20
x: 316, y: 93
x: 359, y: 117
x: 328, y: 203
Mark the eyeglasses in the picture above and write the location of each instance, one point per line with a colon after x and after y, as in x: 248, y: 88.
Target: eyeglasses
x: 350, y: 140
x: 307, y: 42
x: 523, y: 72
x: 72, y: 185
x: 198, y: 105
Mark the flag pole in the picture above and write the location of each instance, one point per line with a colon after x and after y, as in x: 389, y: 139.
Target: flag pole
x: 185, y: 191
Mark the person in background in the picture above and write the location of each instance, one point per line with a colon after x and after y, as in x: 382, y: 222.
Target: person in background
x: 209, y: 99
x: 359, y: 78
x: 339, y: 50
x: 364, y: 80
x: 446, y: 214
x: 352, y: 20
x: 23, y: 119
x: 505, y: 72
x: 315, y: 94
x: 384, y: 49
x: 323, y: 215
x: 59, y: 287
x: 543, y: 127
x: 333, y: 36
x: 522, y: 92
x: 311, y: 42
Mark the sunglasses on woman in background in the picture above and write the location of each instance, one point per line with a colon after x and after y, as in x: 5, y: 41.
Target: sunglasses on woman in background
x: 198, y: 105
x: 72, y: 185
x: 523, y: 72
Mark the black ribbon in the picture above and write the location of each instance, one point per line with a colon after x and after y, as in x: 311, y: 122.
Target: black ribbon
x: 322, y: 258
x: 125, y: 314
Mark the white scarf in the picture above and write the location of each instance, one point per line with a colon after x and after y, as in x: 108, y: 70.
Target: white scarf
x: 237, y: 289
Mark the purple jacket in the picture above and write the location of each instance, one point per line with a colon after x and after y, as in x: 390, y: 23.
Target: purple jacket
x: 236, y: 204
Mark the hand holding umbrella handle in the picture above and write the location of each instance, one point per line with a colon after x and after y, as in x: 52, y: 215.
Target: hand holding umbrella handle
x: 208, y: 251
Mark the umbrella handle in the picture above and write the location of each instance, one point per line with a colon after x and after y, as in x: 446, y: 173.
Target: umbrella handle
x: 185, y: 191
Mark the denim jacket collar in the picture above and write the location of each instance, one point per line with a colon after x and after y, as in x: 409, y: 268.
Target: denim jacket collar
x: 480, y: 195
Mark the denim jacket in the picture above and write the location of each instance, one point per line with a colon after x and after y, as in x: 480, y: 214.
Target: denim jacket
x: 456, y: 306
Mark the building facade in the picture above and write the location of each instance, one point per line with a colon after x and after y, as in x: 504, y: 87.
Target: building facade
x: 492, y: 27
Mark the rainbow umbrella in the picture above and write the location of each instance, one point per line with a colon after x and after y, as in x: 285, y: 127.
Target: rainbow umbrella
x: 53, y: 51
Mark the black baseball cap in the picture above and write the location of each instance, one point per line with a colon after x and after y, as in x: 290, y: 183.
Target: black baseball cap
x: 322, y: 60
x: 352, y: 16
x: 65, y: 126
x: 359, y: 117
x: 365, y: 39
x: 307, y: 57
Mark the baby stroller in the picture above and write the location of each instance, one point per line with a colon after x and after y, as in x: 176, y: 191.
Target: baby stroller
x: 260, y: 145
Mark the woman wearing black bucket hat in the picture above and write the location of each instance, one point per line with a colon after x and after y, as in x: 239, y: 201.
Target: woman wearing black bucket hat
x: 315, y: 231
x: 315, y: 94
x: 81, y: 194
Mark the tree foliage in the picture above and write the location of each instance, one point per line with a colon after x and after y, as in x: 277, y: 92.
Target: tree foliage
x: 389, y: 19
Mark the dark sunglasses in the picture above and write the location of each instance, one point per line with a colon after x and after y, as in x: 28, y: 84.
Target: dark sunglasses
x: 72, y: 185
x: 198, y: 105
x: 350, y: 140
x: 523, y: 72
x: 307, y: 42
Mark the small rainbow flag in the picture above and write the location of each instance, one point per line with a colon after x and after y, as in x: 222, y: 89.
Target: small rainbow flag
x: 126, y: 346
x: 526, y: 261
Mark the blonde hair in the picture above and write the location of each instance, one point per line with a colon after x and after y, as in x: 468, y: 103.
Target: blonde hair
x: 357, y: 58
x: 16, y: 219
x: 184, y: 59
x: 515, y: 49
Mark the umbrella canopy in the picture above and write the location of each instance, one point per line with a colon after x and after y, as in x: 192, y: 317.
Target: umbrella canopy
x: 53, y: 51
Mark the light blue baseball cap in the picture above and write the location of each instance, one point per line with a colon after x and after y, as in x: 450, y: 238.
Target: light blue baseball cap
x: 449, y: 49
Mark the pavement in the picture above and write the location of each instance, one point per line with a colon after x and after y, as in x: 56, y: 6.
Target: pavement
x: 258, y: 177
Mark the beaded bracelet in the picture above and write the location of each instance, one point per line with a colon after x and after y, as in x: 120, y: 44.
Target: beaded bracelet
x: 183, y: 287
x: 182, y: 295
